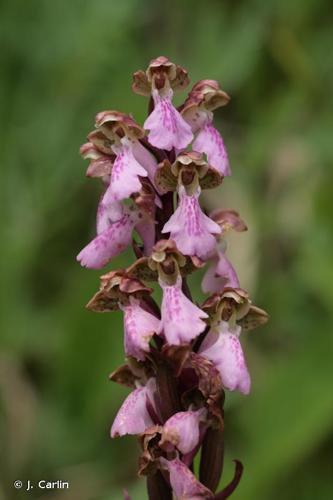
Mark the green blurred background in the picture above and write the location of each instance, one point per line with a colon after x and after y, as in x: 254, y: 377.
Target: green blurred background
x: 63, y: 61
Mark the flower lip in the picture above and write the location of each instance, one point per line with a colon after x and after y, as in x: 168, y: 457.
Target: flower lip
x: 181, y: 319
x: 220, y: 274
x: 133, y: 416
x: 182, y: 430
x: 210, y: 142
x: 223, y: 348
x: 139, y: 326
x: 167, y: 128
x: 193, y: 232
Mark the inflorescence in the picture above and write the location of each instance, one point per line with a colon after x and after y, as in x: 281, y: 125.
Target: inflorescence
x: 180, y: 357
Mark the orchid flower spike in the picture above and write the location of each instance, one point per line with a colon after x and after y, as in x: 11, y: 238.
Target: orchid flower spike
x: 180, y: 357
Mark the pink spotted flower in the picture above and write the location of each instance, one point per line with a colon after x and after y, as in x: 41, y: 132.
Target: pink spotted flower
x: 133, y: 416
x: 113, y: 238
x: 125, y: 174
x: 190, y: 228
x: 181, y: 320
x: 167, y: 128
x: 219, y: 275
x: 222, y: 347
x: 204, y: 98
x: 210, y: 142
x: 182, y: 430
x: 139, y: 327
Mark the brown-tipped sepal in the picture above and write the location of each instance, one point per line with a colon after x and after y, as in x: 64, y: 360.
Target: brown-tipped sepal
x: 190, y: 170
x: 235, y: 303
x: 116, y: 287
x: 228, y: 219
x: 115, y: 124
x: 203, y: 384
x: 206, y: 95
x: 160, y: 74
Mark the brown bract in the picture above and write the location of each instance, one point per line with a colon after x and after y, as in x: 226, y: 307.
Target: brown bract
x: 169, y: 262
x: 101, y: 142
x: 161, y: 73
x: 190, y: 170
x: 235, y: 303
x: 165, y: 261
x: 100, y: 163
x: 228, y: 219
x: 116, y: 124
x: 116, y: 287
x: 206, y: 95
x: 132, y: 372
x: 145, y: 199
x: 151, y: 452
x: 221, y: 306
x: 207, y: 387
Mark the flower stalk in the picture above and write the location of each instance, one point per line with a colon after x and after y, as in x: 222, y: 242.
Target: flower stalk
x: 181, y: 356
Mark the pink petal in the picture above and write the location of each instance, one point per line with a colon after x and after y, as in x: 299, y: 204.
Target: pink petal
x: 222, y: 347
x: 125, y: 174
x: 167, y: 128
x: 133, y: 416
x: 185, y: 485
x: 107, y: 214
x: 139, y: 327
x: 190, y: 228
x: 108, y: 244
x: 182, y: 429
x: 219, y: 275
x: 181, y: 320
x: 210, y: 142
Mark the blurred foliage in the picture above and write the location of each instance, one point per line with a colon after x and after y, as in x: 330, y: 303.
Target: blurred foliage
x: 63, y: 61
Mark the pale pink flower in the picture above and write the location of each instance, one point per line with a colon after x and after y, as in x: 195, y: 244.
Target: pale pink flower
x: 109, y: 243
x: 181, y: 320
x: 133, y: 416
x: 222, y: 347
x: 220, y: 274
x: 139, y: 327
x: 185, y: 485
x: 210, y: 142
x: 125, y: 173
x: 190, y: 228
x: 167, y: 128
x: 182, y: 430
